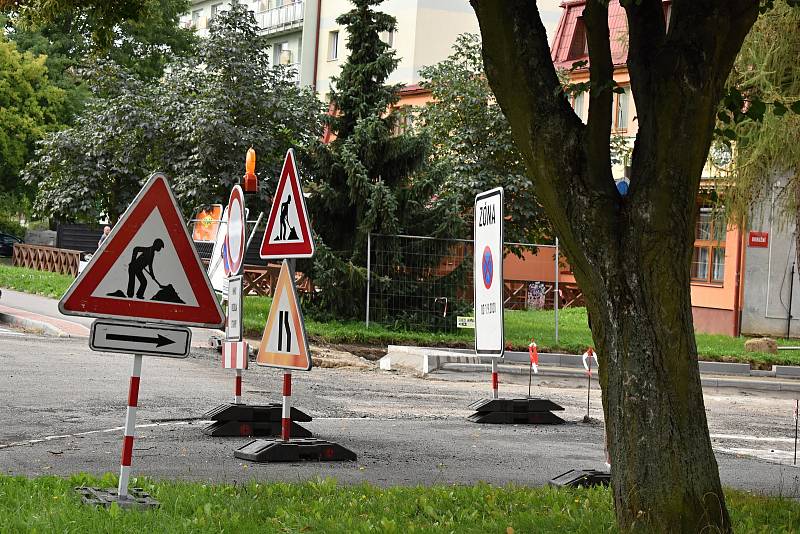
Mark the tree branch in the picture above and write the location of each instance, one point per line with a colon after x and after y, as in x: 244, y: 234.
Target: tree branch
x: 646, y: 34
x: 601, y: 78
x: 550, y: 136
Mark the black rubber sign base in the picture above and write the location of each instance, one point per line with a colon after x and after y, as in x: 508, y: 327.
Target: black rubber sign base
x: 586, y: 478
x: 237, y: 420
x: 137, y: 498
x: 294, y: 450
x: 515, y: 412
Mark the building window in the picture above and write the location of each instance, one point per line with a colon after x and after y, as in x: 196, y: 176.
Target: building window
x: 388, y: 37
x: 281, y: 54
x: 579, y: 47
x: 621, y: 104
x: 708, y: 261
x: 333, y: 45
x: 216, y: 9
x: 405, y: 118
x: 579, y: 105
x: 196, y: 17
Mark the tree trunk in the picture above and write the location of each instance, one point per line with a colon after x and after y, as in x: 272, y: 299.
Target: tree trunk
x: 664, y: 474
x: 631, y: 255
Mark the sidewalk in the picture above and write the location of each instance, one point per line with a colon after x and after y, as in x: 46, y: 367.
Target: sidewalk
x: 35, y: 312
x: 427, y: 360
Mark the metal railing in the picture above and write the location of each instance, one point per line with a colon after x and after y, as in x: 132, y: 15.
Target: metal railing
x: 281, y: 18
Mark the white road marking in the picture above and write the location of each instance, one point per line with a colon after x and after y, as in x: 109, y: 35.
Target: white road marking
x: 739, y: 437
x: 90, y: 432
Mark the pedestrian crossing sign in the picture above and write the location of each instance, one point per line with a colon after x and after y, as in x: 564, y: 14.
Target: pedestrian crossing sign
x: 288, y: 232
x: 284, y: 343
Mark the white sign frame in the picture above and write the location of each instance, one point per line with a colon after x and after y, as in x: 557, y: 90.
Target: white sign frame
x: 100, y: 342
x: 233, y: 319
x: 488, y: 300
x: 237, y: 196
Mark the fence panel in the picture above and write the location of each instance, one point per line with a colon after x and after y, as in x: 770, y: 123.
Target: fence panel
x: 424, y: 283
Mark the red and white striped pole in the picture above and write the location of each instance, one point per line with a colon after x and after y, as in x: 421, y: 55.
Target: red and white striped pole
x: 237, y: 390
x: 495, y: 380
x: 286, y: 417
x: 130, y: 427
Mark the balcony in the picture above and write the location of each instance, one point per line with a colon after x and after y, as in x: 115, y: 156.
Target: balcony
x: 281, y: 19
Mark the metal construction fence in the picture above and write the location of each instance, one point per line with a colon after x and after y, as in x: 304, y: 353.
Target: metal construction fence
x: 426, y: 283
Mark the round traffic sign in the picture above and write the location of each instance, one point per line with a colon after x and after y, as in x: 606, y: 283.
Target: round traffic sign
x: 235, y: 236
x: 487, y: 267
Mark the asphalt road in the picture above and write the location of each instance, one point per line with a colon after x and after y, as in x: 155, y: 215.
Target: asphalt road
x: 62, y: 408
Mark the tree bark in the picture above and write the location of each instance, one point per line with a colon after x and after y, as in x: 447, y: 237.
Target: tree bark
x: 631, y: 256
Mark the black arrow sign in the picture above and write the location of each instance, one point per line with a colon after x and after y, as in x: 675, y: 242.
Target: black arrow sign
x: 160, y: 341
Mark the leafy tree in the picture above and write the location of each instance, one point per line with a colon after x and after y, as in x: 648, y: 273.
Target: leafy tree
x: 235, y: 101
x: 196, y: 124
x: 631, y: 255
x: 107, y: 14
x: 143, y: 45
x: 473, y: 147
x: 762, y: 115
x: 363, y: 179
x: 30, y: 106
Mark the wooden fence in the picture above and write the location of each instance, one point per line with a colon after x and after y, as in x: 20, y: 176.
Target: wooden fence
x: 42, y: 258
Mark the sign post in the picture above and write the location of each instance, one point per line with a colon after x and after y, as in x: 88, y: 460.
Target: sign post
x: 240, y: 419
x: 284, y: 344
x: 146, y: 276
x: 488, y: 284
x: 587, y: 364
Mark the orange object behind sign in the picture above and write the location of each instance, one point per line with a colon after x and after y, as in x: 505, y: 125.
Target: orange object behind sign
x: 207, y: 223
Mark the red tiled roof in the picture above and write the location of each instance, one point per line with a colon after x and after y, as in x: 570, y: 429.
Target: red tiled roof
x: 570, y: 19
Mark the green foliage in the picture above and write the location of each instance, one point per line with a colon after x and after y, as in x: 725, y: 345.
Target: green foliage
x: 761, y: 113
x: 196, y: 125
x: 474, y: 149
x: 30, y: 106
x: 364, y: 180
x: 108, y: 15
x: 50, y: 504
x: 142, y: 45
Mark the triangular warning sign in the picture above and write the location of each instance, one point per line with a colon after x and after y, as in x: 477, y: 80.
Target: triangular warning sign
x: 284, y: 343
x: 288, y: 233
x: 147, y: 269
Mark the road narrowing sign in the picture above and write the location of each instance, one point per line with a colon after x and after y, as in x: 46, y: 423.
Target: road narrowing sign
x: 131, y: 338
x: 288, y: 231
x: 147, y: 269
x: 488, y: 273
x: 284, y: 342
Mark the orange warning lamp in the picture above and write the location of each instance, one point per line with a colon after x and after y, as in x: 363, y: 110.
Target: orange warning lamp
x: 250, y: 178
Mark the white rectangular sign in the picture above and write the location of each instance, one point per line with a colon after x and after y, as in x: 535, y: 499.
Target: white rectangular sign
x: 465, y: 322
x: 488, y: 273
x: 132, y: 338
x: 233, y: 324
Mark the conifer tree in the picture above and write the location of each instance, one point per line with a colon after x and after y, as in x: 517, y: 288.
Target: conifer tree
x: 364, y: 180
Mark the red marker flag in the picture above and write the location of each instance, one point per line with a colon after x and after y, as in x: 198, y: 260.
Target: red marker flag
x: 533, y: 352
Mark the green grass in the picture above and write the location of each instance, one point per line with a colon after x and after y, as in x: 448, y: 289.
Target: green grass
x: 51, y: 285
x: 520, y: 326
x: 49, y: 504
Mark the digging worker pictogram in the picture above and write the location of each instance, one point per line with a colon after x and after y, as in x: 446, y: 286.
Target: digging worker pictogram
x: 285, y: 216
x: 141, y: 261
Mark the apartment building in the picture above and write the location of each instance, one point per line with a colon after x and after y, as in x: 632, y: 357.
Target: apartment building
x: 282, y: 21
x: 304, y: 34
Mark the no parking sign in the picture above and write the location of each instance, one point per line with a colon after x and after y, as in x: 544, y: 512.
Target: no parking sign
x: 488, y: 273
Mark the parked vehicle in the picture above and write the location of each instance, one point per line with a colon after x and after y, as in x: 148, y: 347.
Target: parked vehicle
x: 7, y: 244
